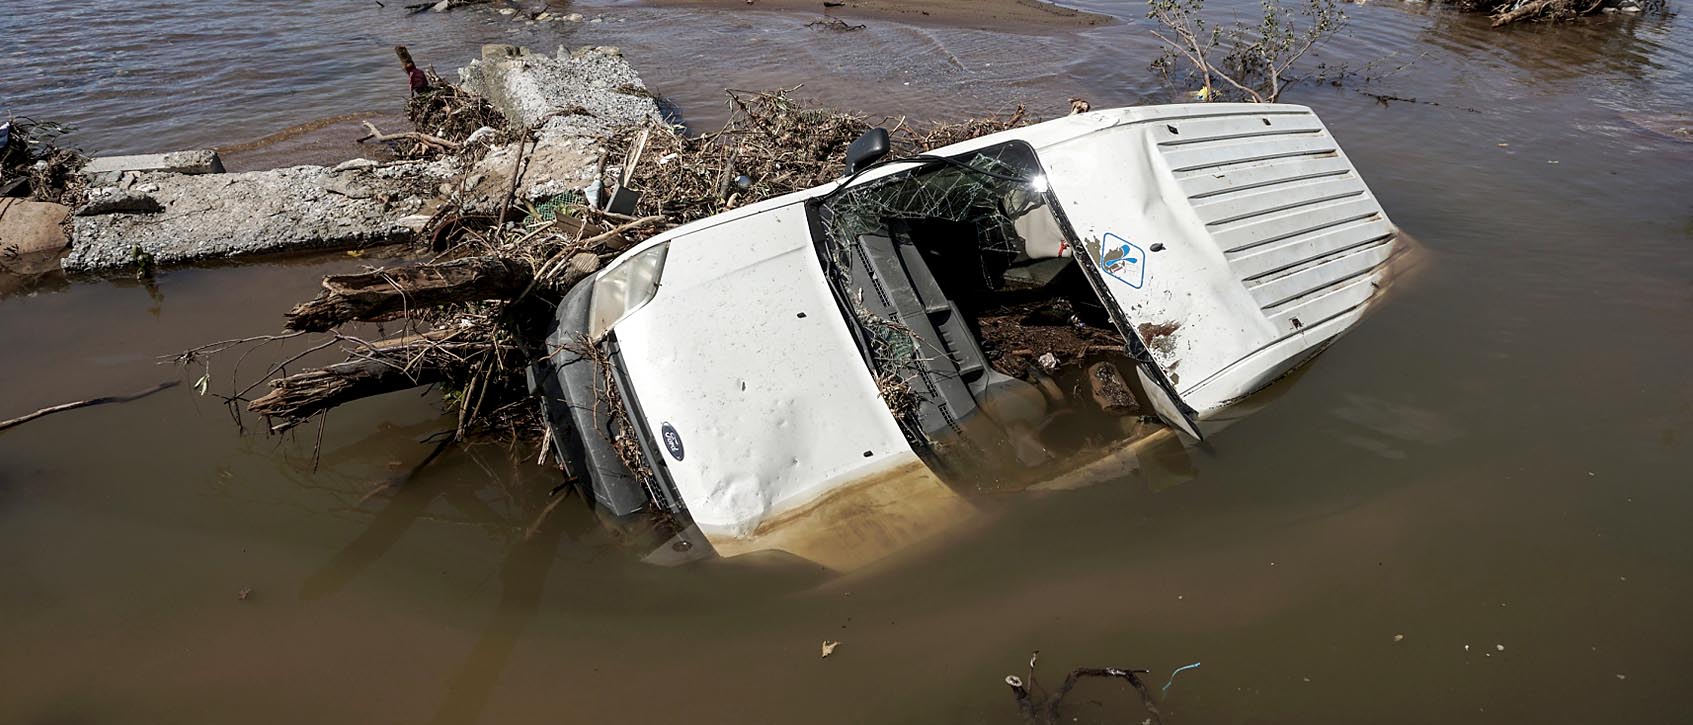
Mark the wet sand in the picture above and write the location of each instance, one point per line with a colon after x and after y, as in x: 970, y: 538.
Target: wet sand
x: 1004, y: 15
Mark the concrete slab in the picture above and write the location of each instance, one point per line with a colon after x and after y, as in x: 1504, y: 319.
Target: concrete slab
x: 223, y: 216
x: 200, y: 161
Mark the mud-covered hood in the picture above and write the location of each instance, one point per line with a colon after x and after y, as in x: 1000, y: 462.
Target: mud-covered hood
x: 743, y: 366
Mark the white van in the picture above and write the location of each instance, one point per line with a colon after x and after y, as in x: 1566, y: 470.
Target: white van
x: 827, y: 372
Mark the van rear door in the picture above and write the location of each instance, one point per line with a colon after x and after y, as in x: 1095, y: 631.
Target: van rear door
x: 1236, y: 240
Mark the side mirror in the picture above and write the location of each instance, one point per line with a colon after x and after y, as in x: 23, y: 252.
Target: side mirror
x: 866, y: 150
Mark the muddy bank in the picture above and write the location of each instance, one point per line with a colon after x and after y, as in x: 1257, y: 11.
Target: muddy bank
x: 1005, y: 15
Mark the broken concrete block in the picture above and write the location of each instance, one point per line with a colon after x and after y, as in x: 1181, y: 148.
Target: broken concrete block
x: 220, y: 216
x: 31, y: 227
x: 201, y: 161
x: 113, y: 200
x: 589, y: 92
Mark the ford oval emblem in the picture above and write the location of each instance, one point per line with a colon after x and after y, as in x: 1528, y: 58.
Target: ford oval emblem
x: 672, y: 441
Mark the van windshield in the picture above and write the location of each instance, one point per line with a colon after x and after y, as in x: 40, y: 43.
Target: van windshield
x: 983, y: 333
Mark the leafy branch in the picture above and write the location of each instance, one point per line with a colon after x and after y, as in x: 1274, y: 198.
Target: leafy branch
x: 1237, y: 61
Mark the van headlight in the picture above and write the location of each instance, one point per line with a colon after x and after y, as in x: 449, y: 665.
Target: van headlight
x: 621, y: 290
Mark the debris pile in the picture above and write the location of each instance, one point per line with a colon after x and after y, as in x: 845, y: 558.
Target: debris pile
x: 446, y: 119
x: 772, y: 144
x: 32, y: 163
x: 473, y: 316
x: 40, y: 184
x: 1506, y: 12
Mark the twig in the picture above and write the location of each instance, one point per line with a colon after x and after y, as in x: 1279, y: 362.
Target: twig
x: 519, y: 165
x: 62, y: 407
x: 540, y: 518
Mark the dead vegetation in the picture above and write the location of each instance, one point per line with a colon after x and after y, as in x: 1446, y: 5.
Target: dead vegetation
x: 33, y: 164
x: 474, y: 315
x: 773, y: 143
x: 1255, y: 62
x: 445, y: 120
x: 1506, y: 12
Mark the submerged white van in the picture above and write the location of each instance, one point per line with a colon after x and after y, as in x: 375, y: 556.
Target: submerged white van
x: 831, y: 372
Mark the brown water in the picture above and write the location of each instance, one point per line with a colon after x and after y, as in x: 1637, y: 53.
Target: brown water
x: 1498, y: 457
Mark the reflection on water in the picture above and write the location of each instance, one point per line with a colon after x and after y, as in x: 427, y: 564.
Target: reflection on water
x: 1495, y: 458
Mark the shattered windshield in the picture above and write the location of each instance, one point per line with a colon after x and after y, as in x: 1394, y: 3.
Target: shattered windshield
x: 959, y: 281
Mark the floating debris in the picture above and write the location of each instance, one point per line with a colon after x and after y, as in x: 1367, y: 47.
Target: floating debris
x: 1173, y: 674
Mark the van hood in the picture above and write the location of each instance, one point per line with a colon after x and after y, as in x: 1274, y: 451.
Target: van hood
x: 744, y: 369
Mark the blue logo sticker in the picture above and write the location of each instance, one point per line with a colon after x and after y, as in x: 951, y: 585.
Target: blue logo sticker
x: 672, y: 440
x: 1123, y: 260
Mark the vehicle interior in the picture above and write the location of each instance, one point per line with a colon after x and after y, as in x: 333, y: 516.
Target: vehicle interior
x: 987, y: 340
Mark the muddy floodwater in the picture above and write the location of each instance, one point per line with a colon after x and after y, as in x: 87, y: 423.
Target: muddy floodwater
x: 1472, y: 509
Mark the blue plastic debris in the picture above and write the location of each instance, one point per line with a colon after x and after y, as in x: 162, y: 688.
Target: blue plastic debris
x: 1172, y: 679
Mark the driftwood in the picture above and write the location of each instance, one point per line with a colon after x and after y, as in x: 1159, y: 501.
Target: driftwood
x: 62, y: 407
x: 299, y: 396
x: 412, y: 360
x: 375, y: 294
x: 376, y: 134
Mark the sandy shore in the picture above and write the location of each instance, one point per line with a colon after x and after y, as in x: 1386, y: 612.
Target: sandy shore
x: 996, y: 14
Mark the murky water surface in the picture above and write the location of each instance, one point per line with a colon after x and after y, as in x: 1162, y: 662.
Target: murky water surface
x: 1494, y: 465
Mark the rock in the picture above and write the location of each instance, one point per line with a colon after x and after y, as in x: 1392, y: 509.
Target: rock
x: 442, y: 6
x: 477, y: 135
x: 1110, y: 391
x: 573, y: 18
x: 31, y: 227
x: 112, y: 200
x: 262, y: 212
x: 354, y: 164
x: 415, y: 222
x: 202, y: 161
